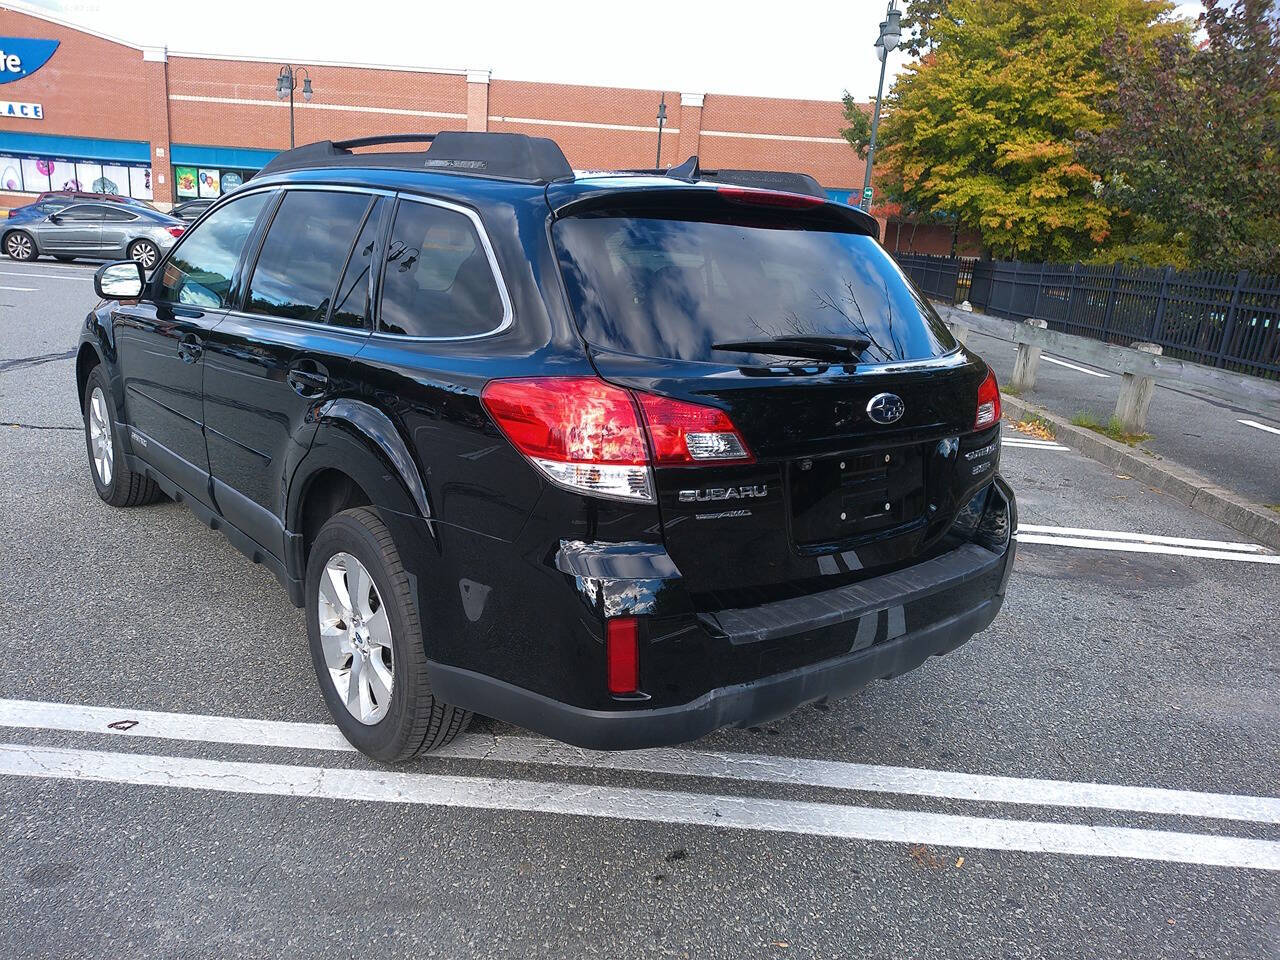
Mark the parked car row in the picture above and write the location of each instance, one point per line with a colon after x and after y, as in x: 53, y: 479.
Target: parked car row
x: 66, y: 225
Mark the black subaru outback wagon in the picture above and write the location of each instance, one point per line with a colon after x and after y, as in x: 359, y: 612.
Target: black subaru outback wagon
x: 622, y: 458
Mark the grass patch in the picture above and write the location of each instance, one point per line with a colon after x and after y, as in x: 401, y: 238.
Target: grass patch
x: 1037, y: 427
x: 1011, y: 391
x: 1111, y: 428
x: 1274, y: 506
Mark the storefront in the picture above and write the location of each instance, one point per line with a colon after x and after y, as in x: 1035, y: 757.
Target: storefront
x: 79, y: 110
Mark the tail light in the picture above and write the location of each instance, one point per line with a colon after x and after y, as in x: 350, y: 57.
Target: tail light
x: 988, y: 402
x: 622, y: 655
x: 176, y: 231
x: 591, y: 436
x: 13, y: 213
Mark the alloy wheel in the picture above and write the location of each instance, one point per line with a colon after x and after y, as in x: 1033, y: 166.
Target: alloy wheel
x: 100, y: 437
x: 145, y: 253
x: 355, y: 635
x: 19, y: 247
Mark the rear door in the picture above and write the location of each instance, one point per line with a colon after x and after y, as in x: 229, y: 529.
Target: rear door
x: 119, y: 226
x: 857, y: 465
x: 286, y: 350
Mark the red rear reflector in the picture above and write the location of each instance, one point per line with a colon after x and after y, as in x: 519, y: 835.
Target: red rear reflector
x: 770, y: 198
x: 684, y: 433
x: 177, y: 231
x: 622, y: 650
x: 988, y: 402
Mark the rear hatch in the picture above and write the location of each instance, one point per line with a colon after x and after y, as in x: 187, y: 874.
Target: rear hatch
x: 860, y: 446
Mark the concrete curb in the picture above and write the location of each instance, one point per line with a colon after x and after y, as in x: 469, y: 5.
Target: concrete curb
x: 1183, y: 485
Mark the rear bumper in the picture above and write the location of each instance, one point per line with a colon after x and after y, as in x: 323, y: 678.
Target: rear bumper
x: 742, y: 705
x: 890, y: 624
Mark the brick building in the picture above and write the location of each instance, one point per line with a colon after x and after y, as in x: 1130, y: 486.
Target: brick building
x: 104, y: 113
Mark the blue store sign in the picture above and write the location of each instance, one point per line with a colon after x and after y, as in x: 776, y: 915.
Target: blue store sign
x: 22, y: 56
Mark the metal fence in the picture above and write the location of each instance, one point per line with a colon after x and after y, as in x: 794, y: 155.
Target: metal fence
x: 1215, y: 317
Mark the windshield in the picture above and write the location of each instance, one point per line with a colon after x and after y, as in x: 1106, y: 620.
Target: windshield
x: 674, y: 288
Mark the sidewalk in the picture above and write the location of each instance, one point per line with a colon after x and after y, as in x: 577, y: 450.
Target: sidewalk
x: 1195, y: 431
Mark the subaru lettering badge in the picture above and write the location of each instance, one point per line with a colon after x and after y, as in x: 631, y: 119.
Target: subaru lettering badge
x: 886, y: 408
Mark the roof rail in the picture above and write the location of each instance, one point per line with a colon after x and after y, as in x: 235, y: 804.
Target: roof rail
x: 764, y: 179
x: 511, y: 156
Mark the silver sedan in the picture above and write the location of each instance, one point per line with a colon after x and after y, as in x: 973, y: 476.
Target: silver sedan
x: 108, y: 231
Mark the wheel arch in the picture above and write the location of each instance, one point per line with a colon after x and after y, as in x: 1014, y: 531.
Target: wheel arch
x: 86, y: 359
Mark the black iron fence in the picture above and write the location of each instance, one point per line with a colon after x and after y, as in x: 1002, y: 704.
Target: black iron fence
x: 1215, y: 317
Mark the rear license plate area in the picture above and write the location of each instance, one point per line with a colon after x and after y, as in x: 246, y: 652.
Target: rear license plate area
x: 846, y: 497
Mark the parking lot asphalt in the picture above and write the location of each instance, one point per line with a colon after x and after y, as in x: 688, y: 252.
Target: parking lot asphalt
x: 1094, y: 776
x: 1233, y: 445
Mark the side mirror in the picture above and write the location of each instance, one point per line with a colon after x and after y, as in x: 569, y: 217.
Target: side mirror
x: 122, y: 280
x: 55, y: 217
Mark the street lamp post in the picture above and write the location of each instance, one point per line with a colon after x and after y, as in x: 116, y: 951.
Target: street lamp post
x: 662, y: 119
x: 890, y: 34
x: 286, y: 83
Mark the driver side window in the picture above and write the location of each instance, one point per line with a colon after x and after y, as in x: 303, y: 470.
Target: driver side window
x: 199, y: 271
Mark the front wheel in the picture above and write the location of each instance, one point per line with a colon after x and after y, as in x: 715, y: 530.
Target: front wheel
x: 112, y: 478
x: 366, y: 642
x: 19, y: 245
x: 144, y: 252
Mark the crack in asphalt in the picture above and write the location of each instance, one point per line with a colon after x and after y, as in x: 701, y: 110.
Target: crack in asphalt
x: 7, y: 365
x: 34, y: 426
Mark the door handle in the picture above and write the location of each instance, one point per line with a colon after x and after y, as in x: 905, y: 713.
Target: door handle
x: 190, y: 348
x: 308, y: 383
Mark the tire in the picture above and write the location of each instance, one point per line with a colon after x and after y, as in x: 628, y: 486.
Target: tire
x: 411, y: 720
x: 62, y: 259
x: 144, y: 252
x: 20, y: 245
x: 112, y: 478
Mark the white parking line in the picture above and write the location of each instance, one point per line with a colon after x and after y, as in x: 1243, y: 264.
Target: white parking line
x: 1033, y: 445
x: 1129, y: 547
x: 1063, y: 363
x: 642, y: 805
x: 22, y: 289
x: 1142, y: 538
x: 1260, y: 426
x: 81, y: 278
x: 754, y: 768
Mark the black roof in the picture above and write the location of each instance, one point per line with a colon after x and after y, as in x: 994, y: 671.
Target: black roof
x: 511, y: 156
x: 763, y: 179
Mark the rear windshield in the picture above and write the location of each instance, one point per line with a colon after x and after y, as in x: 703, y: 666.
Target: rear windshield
x: 673, y: 288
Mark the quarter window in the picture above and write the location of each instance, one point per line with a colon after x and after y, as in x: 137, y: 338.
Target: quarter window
x: 437, y: 281
x: 200, y: 269
x: 303, y: 254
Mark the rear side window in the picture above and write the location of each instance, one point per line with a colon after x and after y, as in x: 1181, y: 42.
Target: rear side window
x: 674, y: 288
x: 200, y: 269
x: 304, y: 252
x: 437, y: 281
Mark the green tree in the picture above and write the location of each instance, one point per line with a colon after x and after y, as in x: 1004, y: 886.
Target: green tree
x: 983, y: 128
x: 918, y: 24
x: 857, y: 125
x: 1195, y: 147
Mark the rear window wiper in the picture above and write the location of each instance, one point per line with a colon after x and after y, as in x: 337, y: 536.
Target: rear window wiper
x: 816, y: 347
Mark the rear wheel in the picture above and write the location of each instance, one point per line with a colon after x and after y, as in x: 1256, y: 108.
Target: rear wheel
x: 366, y: 642
x: 20, y: 245
x: 145, y: 252
x: 112, y: 478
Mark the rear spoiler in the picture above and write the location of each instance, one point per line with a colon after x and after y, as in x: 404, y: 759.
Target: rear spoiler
x: 785, y: 180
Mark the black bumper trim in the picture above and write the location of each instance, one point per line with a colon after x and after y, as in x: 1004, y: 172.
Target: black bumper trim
x: 740, y: 705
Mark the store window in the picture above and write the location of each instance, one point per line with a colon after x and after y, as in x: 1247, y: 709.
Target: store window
x: 207, y: 183
x: 33, y: 174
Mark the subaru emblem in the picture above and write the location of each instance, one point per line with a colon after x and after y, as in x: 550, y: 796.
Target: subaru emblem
x: 886, y: 408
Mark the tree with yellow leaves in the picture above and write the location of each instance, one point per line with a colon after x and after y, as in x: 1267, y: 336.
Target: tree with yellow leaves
x: 983, y: 128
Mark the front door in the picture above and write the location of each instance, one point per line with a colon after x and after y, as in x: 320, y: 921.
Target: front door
x: 161, y: 342
x: 76, y: 229
x: 286, y: 350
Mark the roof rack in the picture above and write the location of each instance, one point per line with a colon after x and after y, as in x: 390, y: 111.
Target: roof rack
x: 511, y: 156
x: 764, y: 179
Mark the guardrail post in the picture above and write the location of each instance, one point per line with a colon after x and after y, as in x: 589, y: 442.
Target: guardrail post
x: 1024, y: 366
x: 1135, y: 394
